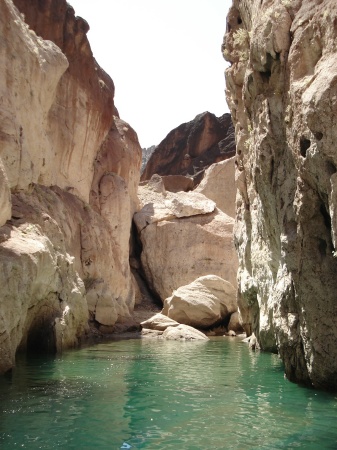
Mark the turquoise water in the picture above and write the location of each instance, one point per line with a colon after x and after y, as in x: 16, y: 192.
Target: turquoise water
x: 162, y: 395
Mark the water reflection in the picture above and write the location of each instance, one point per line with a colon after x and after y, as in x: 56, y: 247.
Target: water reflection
x: 162, y: 395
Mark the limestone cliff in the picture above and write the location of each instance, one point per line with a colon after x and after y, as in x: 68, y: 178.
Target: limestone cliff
x: 69, y: 172
x: 282, y: 92
x: 192, y: 147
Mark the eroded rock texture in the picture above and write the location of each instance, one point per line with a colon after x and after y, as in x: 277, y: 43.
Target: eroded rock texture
x: 72, y: 167
x: 282, y: 92
x: 205, y: 302
x: 184, y: 236
x: 192, y: 147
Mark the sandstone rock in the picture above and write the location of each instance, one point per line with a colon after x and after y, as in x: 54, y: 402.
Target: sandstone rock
x: 119, y: 157
x: 62, y: 146
x: 30, y: 72
x: 5, y: 197
x: 173, y: 205
x: 177, y: 183
x: 219, y: 185
x: 159, y: 322
x: 231, y: 333
x: 176, y: 251
x: 90, y: 239
x: 235, y: 323
x: 253, y: 342
x: 193, y: 146
x: 282, y: 92
x: 42, y: 302
x: 64, y: 82
x: 152, y: 334
x: 203, y: 303
x: 184, y: 333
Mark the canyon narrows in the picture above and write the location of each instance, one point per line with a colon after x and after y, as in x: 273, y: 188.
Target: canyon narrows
x: 221, y: 233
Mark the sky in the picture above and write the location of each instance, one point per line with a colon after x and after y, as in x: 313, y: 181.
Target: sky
x: 164, y: 57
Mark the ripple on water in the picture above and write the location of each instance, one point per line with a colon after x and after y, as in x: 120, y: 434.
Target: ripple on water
x: 162, y: 395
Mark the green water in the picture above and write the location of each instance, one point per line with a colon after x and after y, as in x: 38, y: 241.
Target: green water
x: 162, y: 395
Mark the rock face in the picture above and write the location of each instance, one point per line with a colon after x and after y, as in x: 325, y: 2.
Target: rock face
x: 219, y: 185
x: 159, y: 322
x: 282, y: 92
x: 193, y: 146
x: 146, y: 153
x: 184, y: 236
x: 206, y: 301
x: 73, y: 169
x: 184, y: 333
x: 43, y: 305
x: 63, y: 81
x: 235, y: 323
x: 178, y: 183
x: 160, y: 326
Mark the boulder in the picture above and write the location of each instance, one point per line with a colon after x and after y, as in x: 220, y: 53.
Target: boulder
x: 178, y: 183
x: 231, y: 333
x: 219, y: 185
x: 202, y: 303
x: 183, y: 333
x: 151, y: 334
x: 235, y: 323
x: 169, y: 206
x: 159, y: 322
x: 177, y: 250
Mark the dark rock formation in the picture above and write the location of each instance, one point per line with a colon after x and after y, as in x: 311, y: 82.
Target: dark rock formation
x: 192, y: 147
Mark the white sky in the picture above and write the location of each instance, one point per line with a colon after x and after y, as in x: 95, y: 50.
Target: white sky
x: 164, y: 57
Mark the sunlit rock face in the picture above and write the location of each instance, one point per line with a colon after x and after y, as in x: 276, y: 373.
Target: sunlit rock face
x: 206, y: 301
x: 282, y: 92
x: 192, y: 147
x: 184, y: 236
x: 218, y: 185
x: 72, y: 167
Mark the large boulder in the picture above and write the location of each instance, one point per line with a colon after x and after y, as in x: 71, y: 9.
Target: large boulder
x: 159, y: 322
x: 205, y: 302
x: 219, y: 185
x: 170, y: 206
x: 183, y: 333
x: 234, y: 323
x: 282, y: 93
x: 184, y: 236
x: 177, y: 183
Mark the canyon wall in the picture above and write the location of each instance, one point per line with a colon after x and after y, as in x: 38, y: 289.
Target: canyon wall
x: 282, y: 93
x: 69, y: 171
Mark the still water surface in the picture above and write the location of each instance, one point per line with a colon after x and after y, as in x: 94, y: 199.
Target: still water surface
x: 145, y: 394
